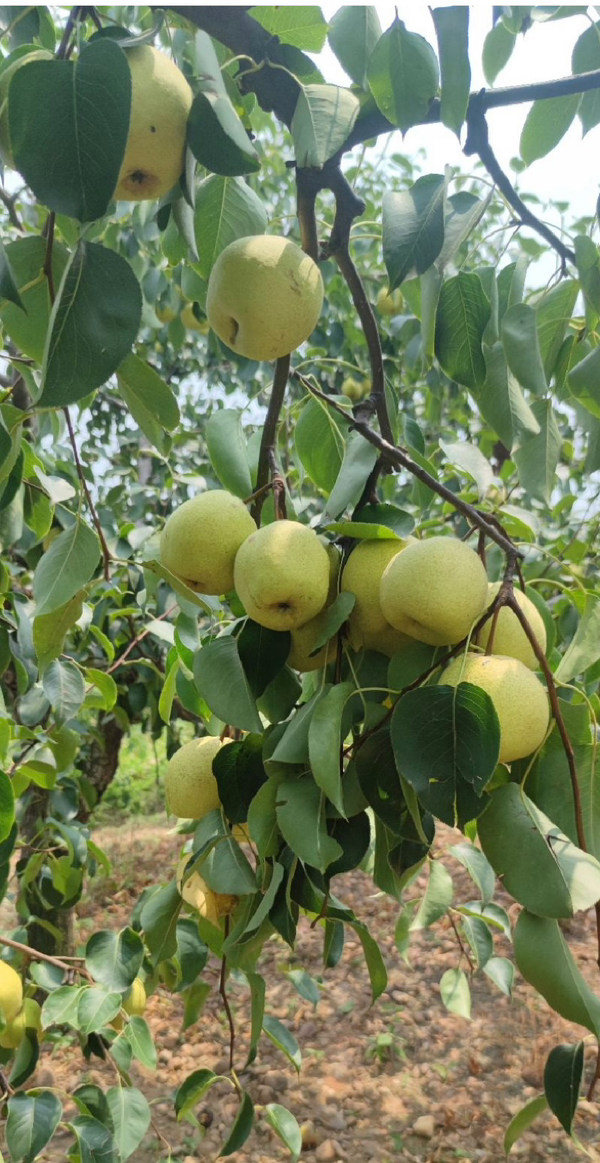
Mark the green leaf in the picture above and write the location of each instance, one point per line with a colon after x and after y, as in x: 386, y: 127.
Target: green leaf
x: 353, y: 34
x: 438, y: 897
x: 379, y: 781
x: 69, y: 123
x: 25, y: 1060
x: 539, y: 865
x: 325, y: 742
x: 283, y: 1039
x: 455, y: 992
x: 159, y: 922
x: 452, y: 32
x: 191, y: 1091
x: 523, y: 1120
x: 221, y: 680
x: 403, y: 75
x: 239, y: 771
x: 94, y: 1141
x: 497, y: 51
x: 546, y: 125
x: 584, y: 382
x: 463, y: 212
x: 61, y: 1006
x: 106, y: 687
x: 225, y: 868
x: 301, y: 819
x: 32, y: 1121
x: 538, y: 457
x: 27, y: 327
x: 469, y: 458
x: 137, y: 1034
x: 319, y: 444
x: 263, y: 654
x: 584, y: 649
x: 149, y: 399
x: 478, y: 867
x: 323, y: 118
x: 130, y: 1116
x: 65, y: 568
x: 50, y: 630
x: 215, y: 133
x: 544, y: 959
x: 286, y: 1127
x: 450, y: 767
x: 413, y: 228
x: 332, y: 618
x: 563, y: 1073
x: 241, y: 1127
x: 114, y: 959
x: 463, y: 314
x: 96, y: 1008
x: 228, y: 452
x: 262, y: 819
x: 502, y: 972
x: 586, y: 59
x: 8, y: 286
x: 521, y: 348
x: 226, y: 209
x: 390, y: 516
x: 303, y: 26
x: 501, y: 401
x: 7, y: 806
x: 554, y: 311
x: 588, y: 266
x: 192, y: 953
x: 376, y: 969
x: 257, y: 993
x: 359, y: 458
x: 94, y: 322
x: 64, y: 688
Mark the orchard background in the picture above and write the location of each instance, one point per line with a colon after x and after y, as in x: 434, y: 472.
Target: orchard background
x: 465, y: 403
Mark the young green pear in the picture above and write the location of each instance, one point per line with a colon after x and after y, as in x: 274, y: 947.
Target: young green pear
x: 520, y: 699
x: 281, y: 575
x: 264, y: 296
x: 361, y: 576
x: 190, y: 787
x: 434, y: 590
x: 161, y: 100
x: 201, y: 538
x: 509, y: 636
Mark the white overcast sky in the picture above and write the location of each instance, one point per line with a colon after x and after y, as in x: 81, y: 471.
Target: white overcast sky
x: 572, y: 171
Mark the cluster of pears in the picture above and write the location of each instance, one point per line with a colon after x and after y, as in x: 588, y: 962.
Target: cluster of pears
x: 16, y: 1014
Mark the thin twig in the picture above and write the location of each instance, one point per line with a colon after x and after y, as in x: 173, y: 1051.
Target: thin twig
x: 136, y: 641
x: 595, y: 1079
x: 49, y: 231
x: 398, y: 457
x: 463, y: 949
x: 61, y: 51
x: 227, y: 1007
x: 307, y: 190
x: 10, y: 206
x: 36, y: 955
x: 105, y: 550
x: 269, y: 433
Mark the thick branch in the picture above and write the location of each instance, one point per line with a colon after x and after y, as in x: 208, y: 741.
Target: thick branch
x: 376, y: 401
x: 400, y: 459
x: 269, y: 434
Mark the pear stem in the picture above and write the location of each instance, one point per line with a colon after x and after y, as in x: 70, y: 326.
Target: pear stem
x: 266, y: 456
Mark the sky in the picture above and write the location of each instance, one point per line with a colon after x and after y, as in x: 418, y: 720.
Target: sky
x: 572, y: 171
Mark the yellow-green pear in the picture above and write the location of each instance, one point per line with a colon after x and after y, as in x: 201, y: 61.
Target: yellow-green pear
x: 134, y: 1002
x: 264, y: 296
x: 281, y: 575
x: 519, y: 697
x: 434, y: 590
x: 11, y: 993
x: 190, y: 787
x: 201, y: 538
x: 389, y: 303
x: 190, y: 321
x: 39, y: 54
x: 29, y: 1018
x: 196, y: 893
x: 355, y: 390
x: 161, y: 100
x: 388, y: 641
x: 509, y: 636
x: 361, y: 576
x: 305, y: 638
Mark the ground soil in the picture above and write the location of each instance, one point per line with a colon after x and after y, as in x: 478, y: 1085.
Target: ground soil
x: 360, y: 1098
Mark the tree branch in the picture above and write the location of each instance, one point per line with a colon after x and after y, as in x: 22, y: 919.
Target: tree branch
x: 400, y: 459
x: 269, y: 433
x: 36, y: 955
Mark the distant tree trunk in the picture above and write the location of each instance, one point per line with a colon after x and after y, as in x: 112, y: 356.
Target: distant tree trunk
x: 103, y: 757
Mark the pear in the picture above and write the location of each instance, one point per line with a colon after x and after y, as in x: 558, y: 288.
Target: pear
x: 264, y: 296
x: 390, y: 303
x: 519, y: 697
x: 509, y: 636
x: 190, y: 786
x: 281, y: 575
x: 388, y: 641
x: 11, y: 993
x: 39, y: 54
x: 161, y: 100
x: 355, y: 390
x: 305, y: 638
x: 29, y: 1018
x: 196, y: 893
x: 434, y: 590
x: 361, y: 576
x: 201, y: 538
x: 134, y: 1003
x: 190, y: 321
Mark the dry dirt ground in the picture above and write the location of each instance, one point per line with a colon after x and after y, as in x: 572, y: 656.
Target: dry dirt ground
x: 359, y: 1097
